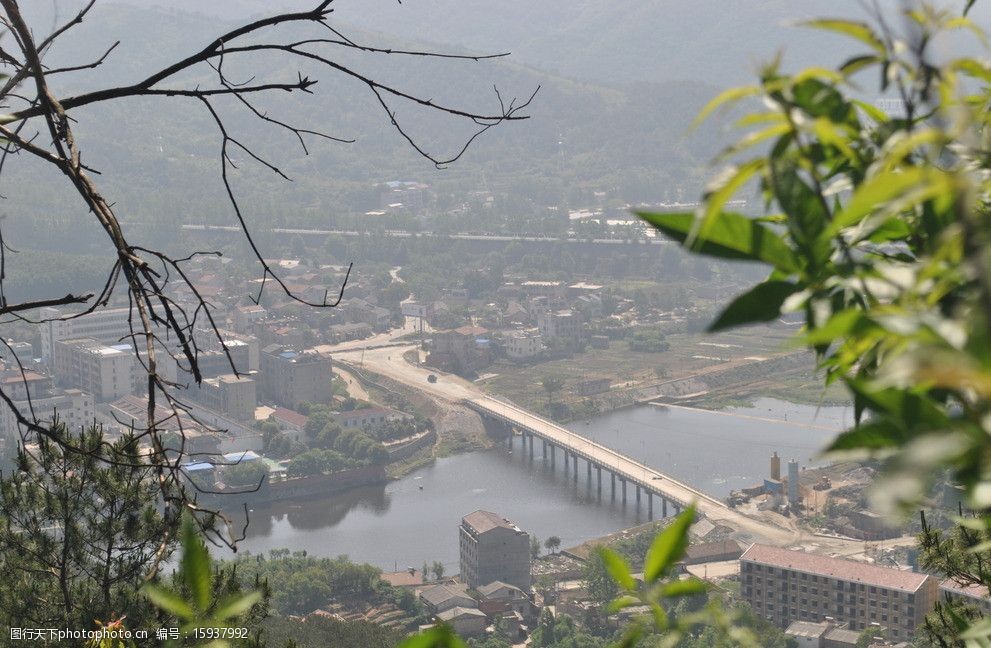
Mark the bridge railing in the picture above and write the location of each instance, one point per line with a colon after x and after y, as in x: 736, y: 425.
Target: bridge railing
x: 647, y: 484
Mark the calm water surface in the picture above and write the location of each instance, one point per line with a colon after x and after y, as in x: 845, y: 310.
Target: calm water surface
x: 415, y: 519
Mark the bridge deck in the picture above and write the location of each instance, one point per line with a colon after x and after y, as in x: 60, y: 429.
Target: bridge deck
x: 650, y: 479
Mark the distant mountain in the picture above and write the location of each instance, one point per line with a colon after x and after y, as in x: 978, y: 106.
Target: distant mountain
x: 160, y: 156
x: 717, y: 41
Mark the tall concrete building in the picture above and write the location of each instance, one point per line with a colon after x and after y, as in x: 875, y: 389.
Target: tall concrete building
x: 107, y: 372
x: 214, y: 362
x: 784, y: 586
x: 229, y: 394
x: 290, y: 377
x: 108, y: 326
x: 493, y: 549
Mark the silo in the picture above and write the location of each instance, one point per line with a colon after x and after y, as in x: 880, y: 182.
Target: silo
x: 775, y: 467
x: 793, y: 482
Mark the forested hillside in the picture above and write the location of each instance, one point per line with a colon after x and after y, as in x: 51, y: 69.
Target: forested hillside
x: 161, y: 155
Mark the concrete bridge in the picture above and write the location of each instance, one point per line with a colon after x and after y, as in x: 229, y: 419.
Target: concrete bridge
x: 625, y: 474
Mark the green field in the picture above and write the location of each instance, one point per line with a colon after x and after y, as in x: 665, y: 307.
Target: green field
x: 688, y: 355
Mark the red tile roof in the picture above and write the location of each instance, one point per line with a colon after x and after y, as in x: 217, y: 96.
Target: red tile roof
x: 966, y: 589
x: 292, y: 417
x: 838, y: 568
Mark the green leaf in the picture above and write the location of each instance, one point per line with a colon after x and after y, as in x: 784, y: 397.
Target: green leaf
x: 722, y: 189
x: 730, y: 96
x: 807, y: 215
x: 195, y: 565
x: 617, y: 568
x: 881, y: 189
x: 440, y: 636
x: 762, y: 303
x: 851, y: 28
x: 168, y: 602
x: 838, y: 326
x: 731, y: 236
x: 858, y: 63
x: 827, y: 133
x: 916, y: 411
x: 891, y: 229
x: 623, y: 602
x: 669, y: 546
x: 239, y: 605
x: 686, y: 587
x: 873, y: 435
x: 872, y: 111
x: 752, y: 139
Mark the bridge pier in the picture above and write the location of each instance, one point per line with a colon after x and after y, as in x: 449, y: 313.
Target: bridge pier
x: 638, y: 495
x: 664, y: 507
x: 588, y: 469
x: 552, y: 456
x: 612, y: 478
x: 598, y: 475
x: 677, y: 508
x: 624, y: 490
x: 531, y: 446
x: 565, y: 461
x: 574, y: 460
x: 650, y: 505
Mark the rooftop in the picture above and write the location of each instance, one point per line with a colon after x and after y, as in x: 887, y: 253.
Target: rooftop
x: 843, y: 635
x: 807, y: 629
x: 404, y: 578
x: 456, y: 612
x: 708, y: 549
x: 839, y: 568
x: 292, y: 417
x: 487, y: 591
x: 965, y: 589
x: 437, y: 594
x: 242, y: 456
x: 482, y: 521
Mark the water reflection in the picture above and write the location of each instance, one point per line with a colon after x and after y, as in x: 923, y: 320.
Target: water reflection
x: 415, y: 519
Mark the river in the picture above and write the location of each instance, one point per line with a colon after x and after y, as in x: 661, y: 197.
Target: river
x: 416, y: 518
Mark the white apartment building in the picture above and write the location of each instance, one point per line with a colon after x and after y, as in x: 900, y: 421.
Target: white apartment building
x: 522, y: 345
x: 104, y: 371
x: 108, y: 326
x: 74, y: 408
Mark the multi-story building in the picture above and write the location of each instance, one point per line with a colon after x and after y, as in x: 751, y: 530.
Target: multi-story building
x: 229, y: 394
x: 109, y: 326
x: 785, y: 586
x: 493, y: 549
x: 523, y: 345
x: 290, y: 377
x: 17, y: 354
x: 247, y: 317
x: 107, y: 372
x: 369, y: 417
x: 462, y: 350
x: 215, y: 362
x: 973, y: 595
x: 564, y: 325
x: 72, y: 406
